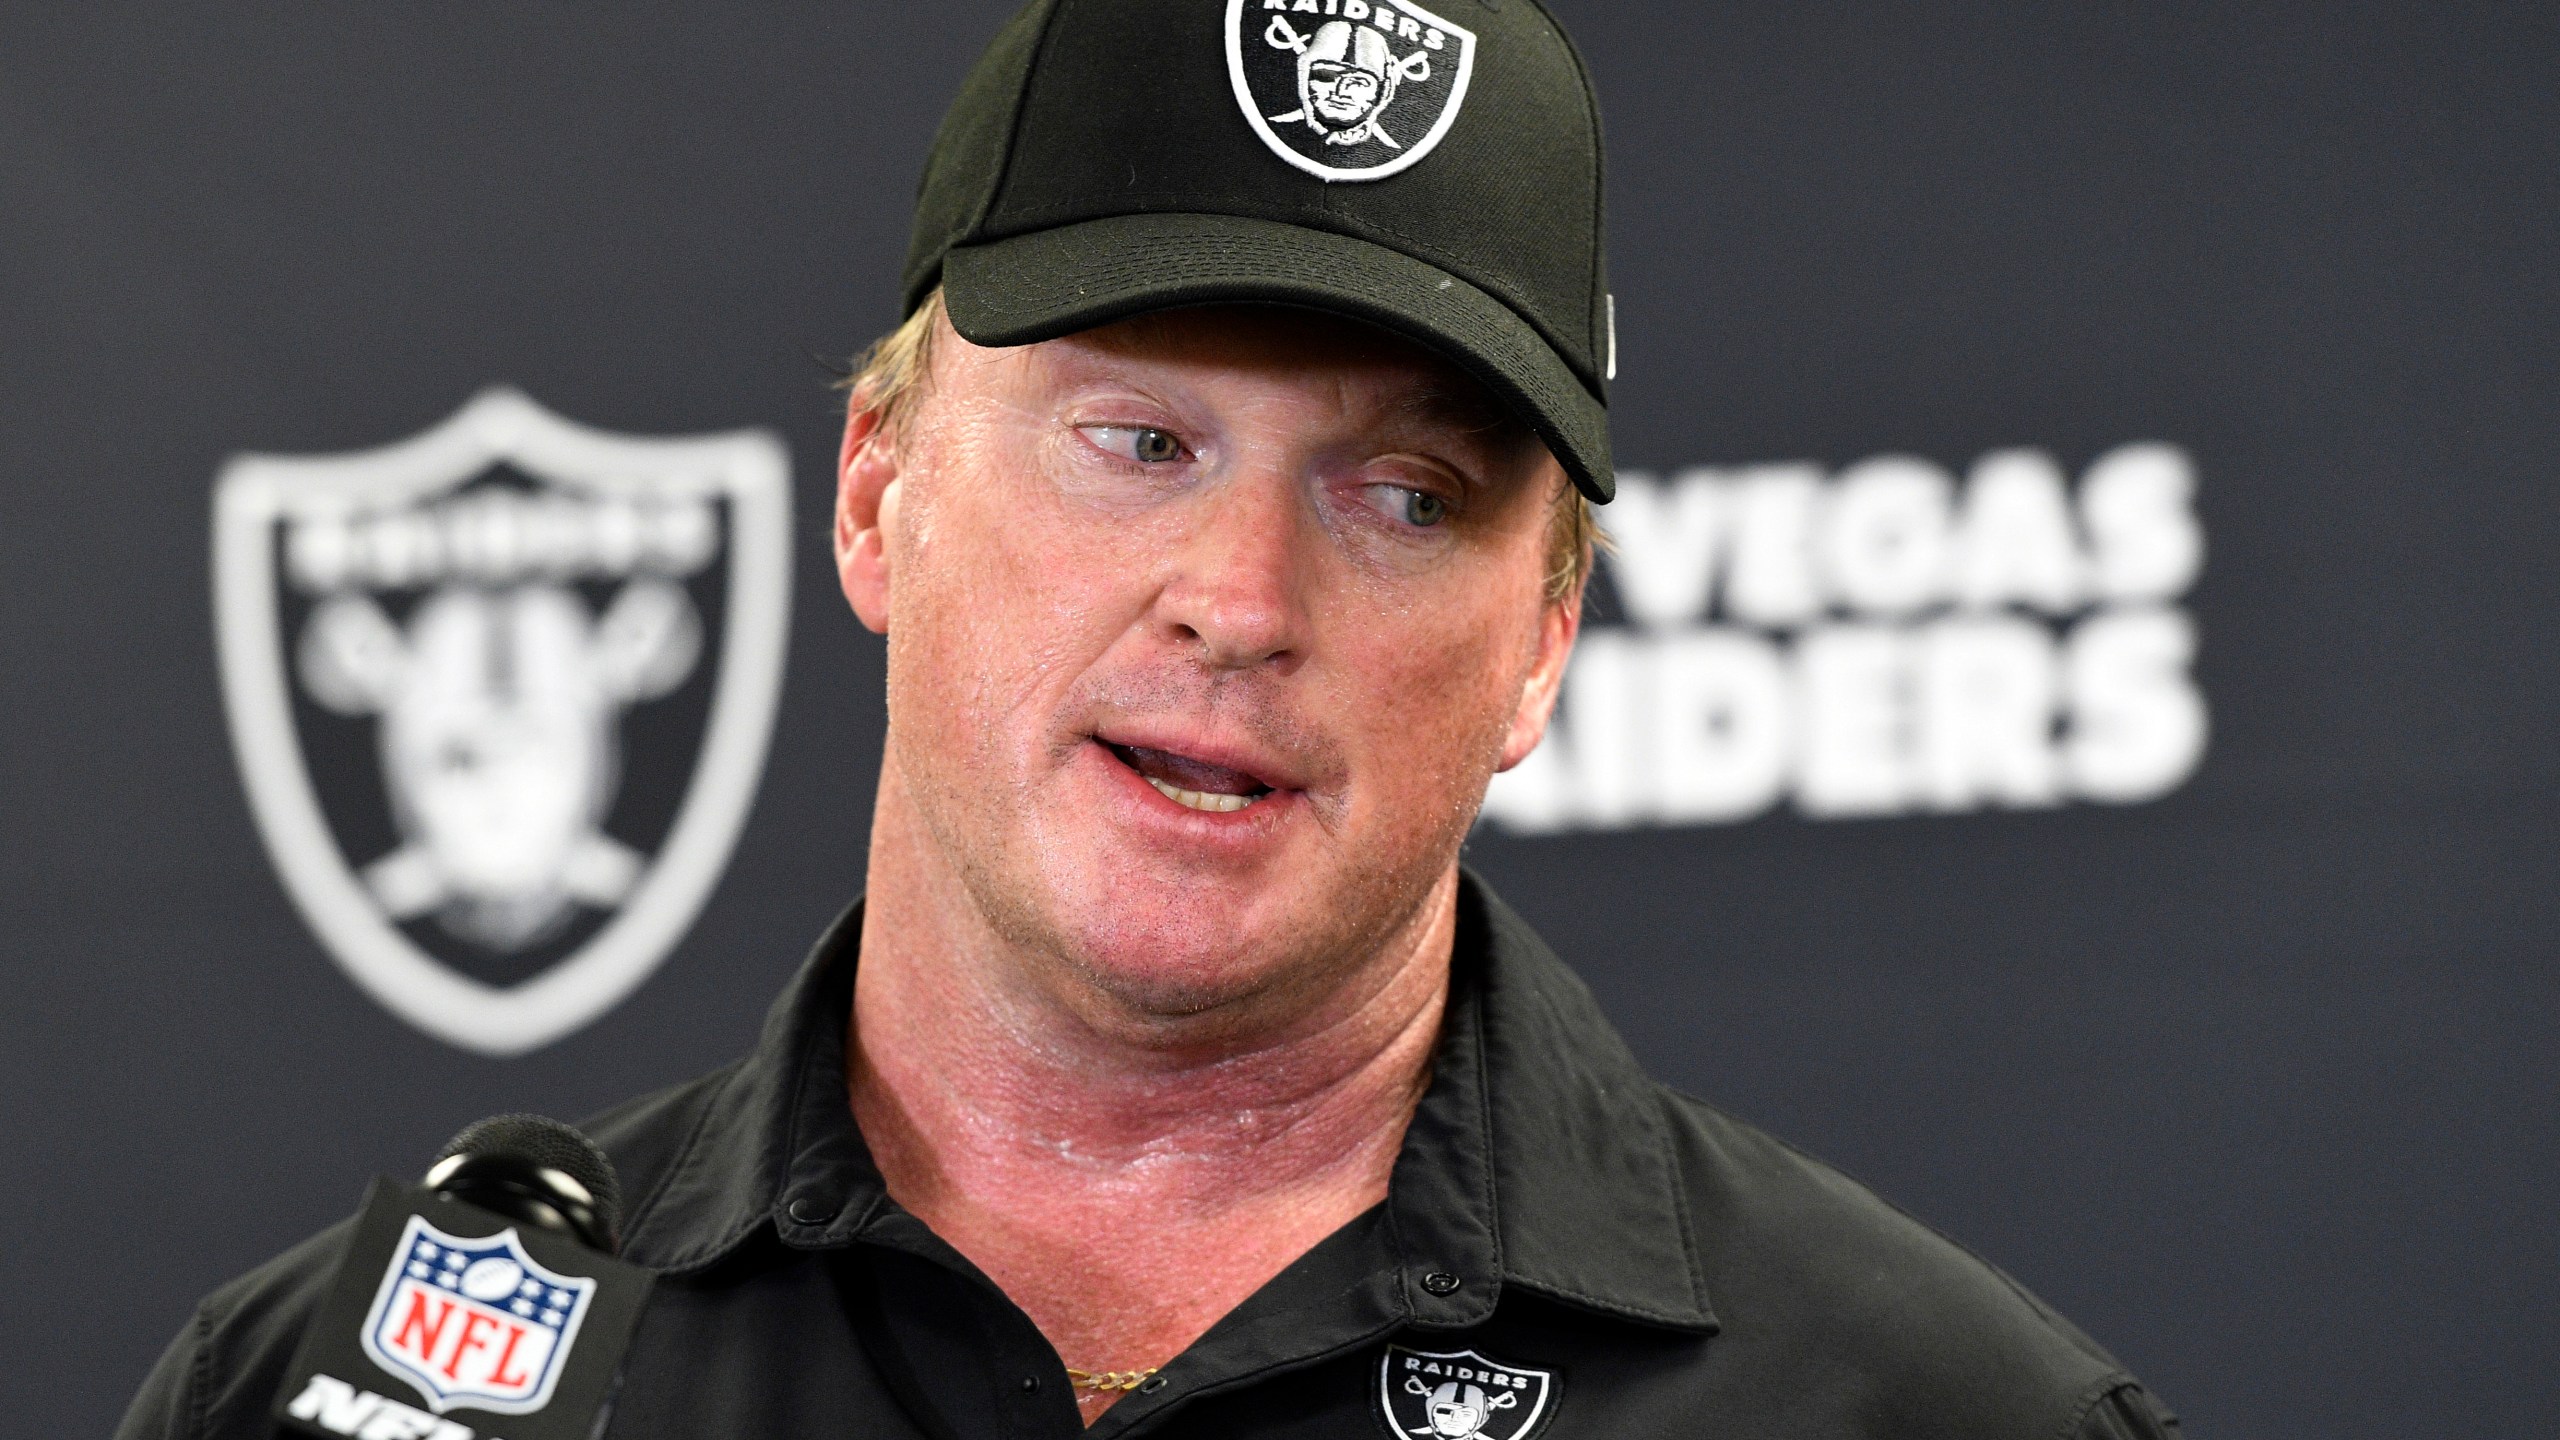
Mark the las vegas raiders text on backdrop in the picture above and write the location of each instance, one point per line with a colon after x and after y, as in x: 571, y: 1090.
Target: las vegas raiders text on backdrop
x: 1461, y: 1395
x: 1882, y: 641
x: 1348, y: 89
x: 501, y: 695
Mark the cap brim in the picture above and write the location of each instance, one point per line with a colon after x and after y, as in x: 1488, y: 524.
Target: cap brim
x: 1050, y: 283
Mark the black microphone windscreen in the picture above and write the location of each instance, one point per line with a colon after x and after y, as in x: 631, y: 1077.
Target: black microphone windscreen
x: 543, y: 1141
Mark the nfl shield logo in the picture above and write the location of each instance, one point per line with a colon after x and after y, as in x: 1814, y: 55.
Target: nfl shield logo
x: 501, y: 694
x: 1348, y: 89
x: 1461, y: 1395
x: 474, y: 1322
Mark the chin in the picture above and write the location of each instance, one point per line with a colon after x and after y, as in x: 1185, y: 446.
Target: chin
x: 1183, y: 945
x: 1184, y: 942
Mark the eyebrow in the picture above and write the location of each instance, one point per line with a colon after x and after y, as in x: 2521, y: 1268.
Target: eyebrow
x: 1464, y: 408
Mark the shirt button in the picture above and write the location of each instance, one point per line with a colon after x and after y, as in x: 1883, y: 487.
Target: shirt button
x: 1030, y: 1384
x: 1441, y: 1282
x: 809, y: 1210
x: 1151, y: 1385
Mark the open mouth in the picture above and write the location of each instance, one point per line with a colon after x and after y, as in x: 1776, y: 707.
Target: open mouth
x: 1192, y: 784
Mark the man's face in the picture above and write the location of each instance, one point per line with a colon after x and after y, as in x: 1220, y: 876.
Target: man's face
x: 1206, y: 632
x: 1454, y: 1418
x: 1342, y: 95
x: 498, y: 757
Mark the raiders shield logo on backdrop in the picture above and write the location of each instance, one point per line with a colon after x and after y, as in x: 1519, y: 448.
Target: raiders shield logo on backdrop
x: 1461, y: 1395
x: 1348, y: 89
x: 501, y: 695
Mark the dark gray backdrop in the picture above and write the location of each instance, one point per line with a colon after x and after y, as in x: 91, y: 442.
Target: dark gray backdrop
x: 2254, y: 1081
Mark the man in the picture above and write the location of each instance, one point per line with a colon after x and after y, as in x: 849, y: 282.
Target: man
x: 1225, y: 511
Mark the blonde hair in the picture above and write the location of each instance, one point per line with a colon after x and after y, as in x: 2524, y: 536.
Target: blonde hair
x: 889, y: 378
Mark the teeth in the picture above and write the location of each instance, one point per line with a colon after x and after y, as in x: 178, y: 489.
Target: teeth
x: 1195, y: 800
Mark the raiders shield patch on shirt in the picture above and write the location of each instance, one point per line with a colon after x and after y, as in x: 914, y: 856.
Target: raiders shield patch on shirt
x: 1461, y: 1395
x: 1348, y: 89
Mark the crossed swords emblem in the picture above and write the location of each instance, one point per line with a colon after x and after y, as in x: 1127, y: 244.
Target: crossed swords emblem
x: 1281, y: 35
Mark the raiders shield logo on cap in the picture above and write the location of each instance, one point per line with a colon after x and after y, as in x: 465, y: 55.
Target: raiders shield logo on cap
x: 1348, y: 89
x: 501, y: 694
x: 1461, y: 1395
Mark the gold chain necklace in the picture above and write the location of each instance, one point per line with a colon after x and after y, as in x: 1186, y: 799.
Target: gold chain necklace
x: 1104, y: 1380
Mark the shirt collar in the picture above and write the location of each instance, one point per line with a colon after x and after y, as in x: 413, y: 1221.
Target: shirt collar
x: 1540, y: 1156
x: 774, y: 1148
x: 1541, y: 1150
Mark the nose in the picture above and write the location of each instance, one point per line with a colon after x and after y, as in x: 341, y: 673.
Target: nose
x: 1236, y: 596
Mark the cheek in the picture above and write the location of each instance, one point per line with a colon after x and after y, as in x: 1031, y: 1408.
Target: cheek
x: 997, y: 603
x: 1457, y: 684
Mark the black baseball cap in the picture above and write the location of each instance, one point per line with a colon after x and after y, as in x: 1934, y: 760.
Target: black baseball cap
x: 1435, y: 172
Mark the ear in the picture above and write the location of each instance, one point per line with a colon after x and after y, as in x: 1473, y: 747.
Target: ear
x: 866, y: 501
x: 1557, y: 627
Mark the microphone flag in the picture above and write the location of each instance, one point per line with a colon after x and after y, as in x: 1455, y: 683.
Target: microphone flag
x: 445, y: 1321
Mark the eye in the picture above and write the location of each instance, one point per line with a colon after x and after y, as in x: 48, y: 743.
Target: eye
x: 1138, y: 443
x: 1418, y: 508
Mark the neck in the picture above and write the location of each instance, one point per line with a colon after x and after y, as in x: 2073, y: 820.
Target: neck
x: 1126, y: 1177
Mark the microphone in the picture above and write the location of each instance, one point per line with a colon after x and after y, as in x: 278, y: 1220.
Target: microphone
x: 535, y: 1169
x: 489, y: 1295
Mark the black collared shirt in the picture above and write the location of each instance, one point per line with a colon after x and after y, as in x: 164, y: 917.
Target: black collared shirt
x: 1567, y: 1248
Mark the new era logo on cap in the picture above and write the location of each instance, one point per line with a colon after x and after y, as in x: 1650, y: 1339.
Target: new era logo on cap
x: 1348, y: 89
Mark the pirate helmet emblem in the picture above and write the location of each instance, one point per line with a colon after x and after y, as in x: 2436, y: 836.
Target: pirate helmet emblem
x: 1356, y: 90
x: 1346, y: 80
x: 1457, y: 1412
x: 1461, y: 1395
x: 442, y: 658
